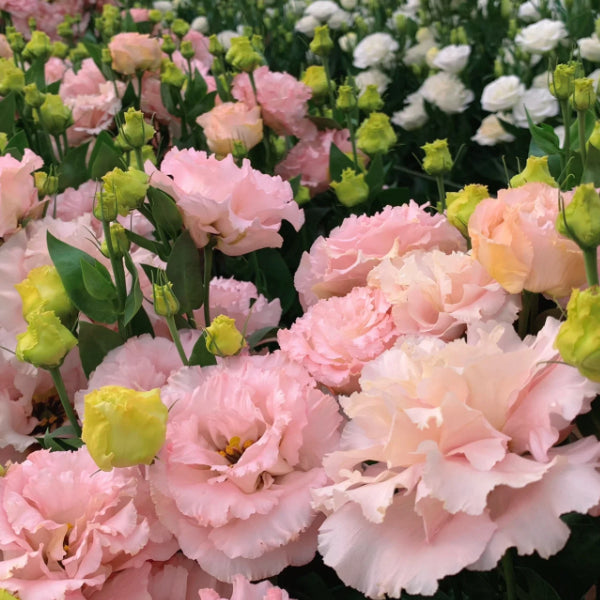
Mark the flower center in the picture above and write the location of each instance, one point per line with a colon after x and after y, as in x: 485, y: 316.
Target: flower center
x: 234, y: 449
x: 48, y: 410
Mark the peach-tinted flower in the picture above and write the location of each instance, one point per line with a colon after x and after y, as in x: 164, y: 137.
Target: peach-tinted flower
x: 439, y: 294
x: 343, y: 260
x: 451, y: 446
x: 337, y: 336
x: 231, y: 122
x: 515, y: 239
x: 240, y: 207
x: 244, y: 590
x: 282, y: 99
x: 5, y: 49
x: 54, y: 69
x: 133, y: 52
x: 245, y: 443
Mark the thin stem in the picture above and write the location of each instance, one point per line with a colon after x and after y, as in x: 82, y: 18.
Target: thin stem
x: 351, y: 129
x: 191, y: 320
x: 439, y: 180
x: 591, y: 266
x: 119, y: 273
x: 253, y: 84
x: 581, y: 129
x: 139, y: 158
x: 566, y: 115
x: 208, y: 260
x: 59, y: 384
x: 529, y: 304
x: 177, y: 340
x: 509, y: 576
x: 329, y: 85
x: 139, y: 75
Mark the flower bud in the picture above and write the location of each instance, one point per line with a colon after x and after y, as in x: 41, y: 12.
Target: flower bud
x: 60, y: 50
x: 562, y: 84
x: 16, y: 41
x: 438, y: 160
x: 46, y: 342
x: 38, y: 47
x: 106, y: 56
x: 155, y: 16
x: 536, y: 170
x: 316, y: 79
x: 223, y: 338
x: 119, y: 241
x: 242, y: 56
x: 214, y: 46
x: 105, y: 208
x: 352, y: 189
x: 123, y: 427
x: 135, y: 132
x: 462, y: 204
x: 346, y: 100
x: 171, y: 74
x: 4, y: 595
x: 3, y: 141
x: 370, y: 100
x: 168, y: 45
x: 581, y: 218
x: 376, y: 134
x: 79, y: 53
x: 258, y: 43
x: 584, y: 95
x: 12, y: 79
x: 128, y: 187
x: 65, y: 30
x: 180, y: 27
x: 321, y: 44
x: 187, y: 50
x: 53, y: 115
x: 166, y: 303
x: 46, y: 185
x: 33, y: 96
x: 302, y: 195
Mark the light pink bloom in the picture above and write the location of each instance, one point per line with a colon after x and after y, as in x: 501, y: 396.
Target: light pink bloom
x: 515, y: 239
x: 245, y: 443
x: 65, y: 526
x: 240, y: 207
x: 343, y: 260
x: 5, y: 49
x: 73, y: 203
x: 244, y: 590
x: 337, y: 336
x: 202, y: 59
x: 133, y: 52
x: 152, y: 104
x: 282, y: 99
x: 54, y: 69
x: 440, y: 294
x: 93, y: 100
x: 449, y: 446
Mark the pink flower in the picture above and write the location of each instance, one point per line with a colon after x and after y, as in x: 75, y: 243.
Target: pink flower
x: 343, y: 260
x: 244, y: 590
x: 336, y: 337
x: 93, y: 100
x: 65, y: 526
x: 449, y: 446
x: 5, y: 49
x: 152, y: 104
x: 202, y: 59
x: 310, y: 159
x: 54, y: 69
x: 133, y: 52
x: 282, y: 99
x: 245, y: 443
x: 18, y: 195
x: 515, y: 239
x: 240, y: 207
x: 440, y: 294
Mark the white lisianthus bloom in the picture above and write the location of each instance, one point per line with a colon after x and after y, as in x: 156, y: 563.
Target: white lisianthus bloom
x: 348, y: 4
x: 502, y: 93
x: 321, y: 10
x: 528, y: 11
x: 595, y: 77
x: 453, y: 58
x: 376, y: 50
x: 541, y: 37
x: 162, y: 5
x: 589, y: 48
x: 413, y: 115
x: 372, y: 77
x: 542, y: 80
x: 417, y: 53
x: 347, y: 42
x: 540, y: 105
x: 447, y: 92
x: 200, y: 24
x: 225, y: 38
x: 306, y: 25
x: 491, y: 132
x: 339, y: 18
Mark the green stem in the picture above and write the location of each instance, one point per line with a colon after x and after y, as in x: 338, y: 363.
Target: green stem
x: 208, y: 260
x: 581, y: 129
x: 139, y: 75
x: 253, y: 84
x: 329, y: 85
x: 591, y: 266
x: 58, y: 147
x: 119, y: 273
x: 509, y: 576
x: 139, y: 158
x: 177, y: 340
x: 439, y: 180
x: 59, y: 384
x: 566, y: 116
x: 351, y: 129
x: 191, y: 320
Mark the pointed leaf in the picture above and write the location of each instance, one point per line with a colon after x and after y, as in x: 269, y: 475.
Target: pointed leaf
x: 591, y: 171
x: 184, y: 270
x: 73, y: 171
x: 134, y: 299
x: 8, y: 108
x: 97, y: 282
x: 375, y: 176
x: 105, y: 156
x: 95, y: 342
x: 200, y: 354
x: 165, y: 212
x: 338, y: 161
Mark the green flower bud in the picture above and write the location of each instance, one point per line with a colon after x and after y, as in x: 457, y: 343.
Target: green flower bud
x: 187, y: 50
x: 16, y: 41
x: 3, y: 141
x: 584, y: 95
x: 562, y: 84
x: 119, y: 241
x: 79, y: 53
x: 155, y: 16
x: 12, y: 79
x: 128, y: 187
x: 376, y: 134
x: 352, y: 189
x: 53, y: 115
x: 46, y: 185
x: 110, y: 12
x: 39, y: 47
x: 33, y: 96
x: 32, y: 24
x: 171, y: 74
x: 438, y: 160
x: 506, y: 8
x: 168, y: 45
x: 302, y: 195
x: 536, y: 170
x: 316, y: 79
x: 106, y: 56
x: 462, y: 204
x: 135, y: 132
x: 60, y: 50
x: 166, y: 303
x: 223, y: 337
x: 4, y: 595
x: 400, y: 22
x: 46, y: 342
x: 242, y: 56
x: 370, y: 100
x: 578, y: 339
x: 214, y: 46
x: 581, y: 218
x: 105, y: 208
x: 321, y: 44
x: 346, y: 100
x: 258, y: 43
x: 65, y: 30
x: 180, y: 27
x: 169, y: 17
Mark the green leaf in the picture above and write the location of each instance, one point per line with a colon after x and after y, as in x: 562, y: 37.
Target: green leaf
x: 591, y: 170
x: 141, y: 324
x: 105, y: 156
x: 338, y: 161
x: 275, y: 279
x: 134, y: 299
x: 8, y: 108
x: 256, y: 336
x: 543, y: 139
x: 17, y: 144
x: 142, y: 242
x: 73, y: 171
x: 95, y: 342
x: 97, y: 282
x: 95, y: 53
x: 36, y: 74
x: 375, y: 176
x: 184, y: 270
x: 67, y: 261
x: 170, y: 97
x: 535, y: 586
x: 324, y: 123
x: 165, y: 212
x: 200, y: 354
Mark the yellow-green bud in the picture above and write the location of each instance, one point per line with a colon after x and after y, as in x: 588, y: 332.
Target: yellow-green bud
x: 594, y: 139
x: 53, y: 115
x: 302, y: 195
x: 4, y: 595
x: 119, y: 241
x: 376, y: 134
x: 536, y: 170
x: 169, y: 17
x: 438, y: 160
x: 180, y: 27
x: 584, y: 95
x: 346, y: 100
x: 316, y: 79
x: 33, y: 96
x: 370, y: 100
x: 105, y: 208
x: 352, y: 189
x: 16, y: 41
x: 166, y: 303
x: 168, y: 45
x: 597, y: 27
x: 106, y: 56
x: 562, y: 84
x: 12, y: 79
x: 32, y: 24
x: 154, y: 16
x: 170, y: 73
x: 242, y: 55
x: 110, y: 12
x: 43, y: 290
x: 3, y: 141
x: 147, y: 154
x: 60, y: 50
x: 506, y: 8
x: 128, y: 187
x: 214, y: 46
x: 123, y: 427
x: 38, y: 47
x: 46, y: 342
x: 135, y: 132
x: 258, y: 43
x: 187, y: 50
x: 79, y: 53
x: 321, y: 44
x: 223, y: 338
x: 578, y: 339
x: 400, y: 21
x: 46, y: 185
x: 581, y: 219
x: 65, y: 30
x: 462, y: 204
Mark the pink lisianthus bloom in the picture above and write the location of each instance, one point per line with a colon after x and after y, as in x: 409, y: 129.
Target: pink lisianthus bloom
x: 439, y: 294
x: 451, y: 446
x: 66, y: 527
x: 245, y: 444
x: 240, y: 207
x: 282, y: 99
x: 132, y: 51
x: 337, y: 336
x: 343, y: 260
x: 18, y: 195
x: 244, y: 590
x: 54, y: 69
x: 309, y: 158
x: 93, y: 100
x: 152, y: 104
x: 516, y: 240
x: 202, y: 59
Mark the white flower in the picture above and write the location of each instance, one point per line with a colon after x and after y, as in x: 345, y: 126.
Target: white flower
x: 307, y: 24
x: 339, y: 18
x: 321, y: 9
x: 541, y: 37
x: 372, y: 77
x: 595, y: 77
x: 540, y: 105
x: 225, y: 38
x: 560, y: 134
x: 453, y: 58
x: 348, y: 4
x: 295, y: 7
x: 200, y: 24
x: 541, y: 80
x: 491, y: 132
x: 410, y: 9
x: 528, y: 11
x: 589, y: 48
x: 417, y: 53
x: 502, y: 93
x: 447, y: 92
x: 413, y: 115
x: 162, y: 5
x: 375, y: 50
x: 347, y: 41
